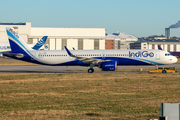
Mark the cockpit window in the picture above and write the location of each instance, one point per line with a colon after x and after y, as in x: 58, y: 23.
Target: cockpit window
x: 168, y: 54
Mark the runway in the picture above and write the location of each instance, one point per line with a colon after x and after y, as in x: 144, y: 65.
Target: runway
x: 63, y: 69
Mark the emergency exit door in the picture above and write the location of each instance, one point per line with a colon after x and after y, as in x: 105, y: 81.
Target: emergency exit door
x: 157, y: 55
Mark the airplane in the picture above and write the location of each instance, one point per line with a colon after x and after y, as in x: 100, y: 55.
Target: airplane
x: 172, y: 53
x: 107, y: 60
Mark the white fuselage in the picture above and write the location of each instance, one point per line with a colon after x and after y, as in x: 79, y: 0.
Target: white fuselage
x: 124, y: 57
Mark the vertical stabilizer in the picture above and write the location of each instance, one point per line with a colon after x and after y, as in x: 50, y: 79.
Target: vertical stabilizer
x: 17, y: 44
x: 159, y: 47
x: 40, y: 43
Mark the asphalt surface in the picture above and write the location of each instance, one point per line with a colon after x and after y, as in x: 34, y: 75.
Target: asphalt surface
x: 63, y: 69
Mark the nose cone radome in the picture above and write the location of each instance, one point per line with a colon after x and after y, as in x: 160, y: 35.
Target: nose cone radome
x: 175, y: 60
x: 172, y: 60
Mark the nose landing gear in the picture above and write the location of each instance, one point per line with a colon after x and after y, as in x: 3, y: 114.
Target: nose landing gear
x: 91, y: 70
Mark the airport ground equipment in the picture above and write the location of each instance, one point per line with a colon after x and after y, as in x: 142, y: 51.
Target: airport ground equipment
x: 171, y: 111
x: 164, y: 70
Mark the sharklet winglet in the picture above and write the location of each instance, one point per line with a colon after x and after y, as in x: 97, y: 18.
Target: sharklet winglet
x: 69, y: 53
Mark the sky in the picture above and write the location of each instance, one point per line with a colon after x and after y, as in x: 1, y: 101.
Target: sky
x: 140, y: 18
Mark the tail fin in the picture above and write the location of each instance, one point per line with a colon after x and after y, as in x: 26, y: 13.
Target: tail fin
x: 17, y: 44
x: 159, y: 47
x: 40, y: 43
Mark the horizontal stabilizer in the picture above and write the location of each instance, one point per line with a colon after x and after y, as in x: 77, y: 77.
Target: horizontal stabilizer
x: 18, y: 55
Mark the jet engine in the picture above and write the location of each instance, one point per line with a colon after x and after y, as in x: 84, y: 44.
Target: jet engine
x: 109, y: 66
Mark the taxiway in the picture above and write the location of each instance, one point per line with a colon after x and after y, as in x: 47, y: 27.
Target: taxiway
x: 63, y: 69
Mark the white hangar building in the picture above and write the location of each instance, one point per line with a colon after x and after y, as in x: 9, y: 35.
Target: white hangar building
x: 171, y: 45
x: 79, y: 38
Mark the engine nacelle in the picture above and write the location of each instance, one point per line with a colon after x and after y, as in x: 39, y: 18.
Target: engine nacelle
x: 109, y: 65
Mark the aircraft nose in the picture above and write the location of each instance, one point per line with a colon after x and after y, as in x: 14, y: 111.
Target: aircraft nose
x: 175, y: 60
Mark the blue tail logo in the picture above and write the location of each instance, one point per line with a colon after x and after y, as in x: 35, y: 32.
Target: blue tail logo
x: 40, y: 43
x: 14, y: 33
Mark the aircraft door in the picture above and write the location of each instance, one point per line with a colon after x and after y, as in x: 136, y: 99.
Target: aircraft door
x: 157, y: 55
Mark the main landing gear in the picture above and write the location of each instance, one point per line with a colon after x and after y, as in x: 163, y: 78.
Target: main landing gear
x: 91, y: 70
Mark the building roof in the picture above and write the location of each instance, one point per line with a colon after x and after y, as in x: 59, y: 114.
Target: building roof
x: 12, y: 23
x: 158, y: 40
x: 119, y: 36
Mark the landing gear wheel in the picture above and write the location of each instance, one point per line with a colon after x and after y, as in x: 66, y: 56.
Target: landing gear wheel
x: 91, y: 70
x: 164, y: 71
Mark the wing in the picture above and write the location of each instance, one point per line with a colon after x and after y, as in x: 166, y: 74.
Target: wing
x: 84, y: 59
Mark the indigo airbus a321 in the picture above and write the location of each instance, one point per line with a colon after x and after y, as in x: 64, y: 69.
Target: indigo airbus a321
x: 107, y: 60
